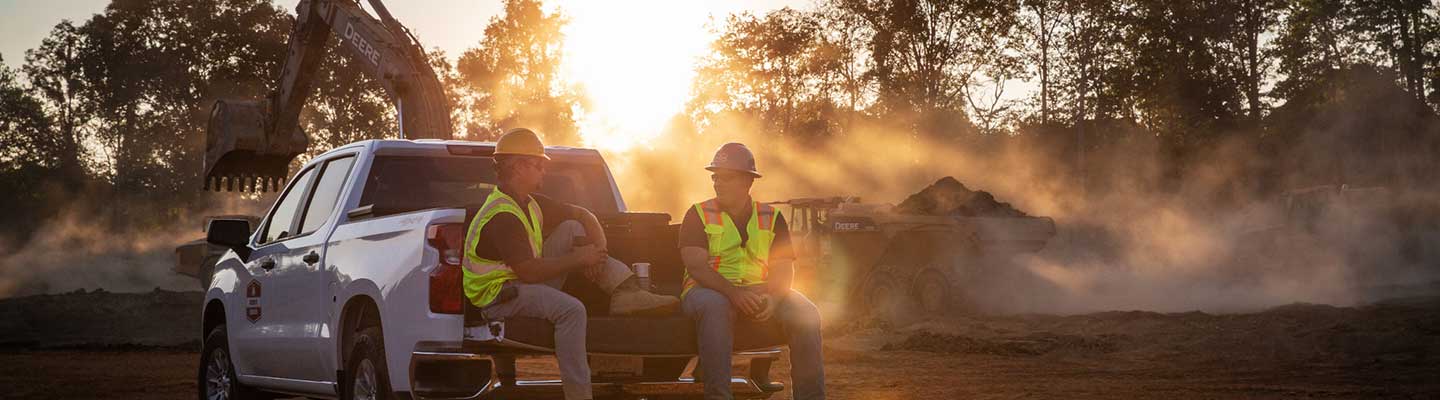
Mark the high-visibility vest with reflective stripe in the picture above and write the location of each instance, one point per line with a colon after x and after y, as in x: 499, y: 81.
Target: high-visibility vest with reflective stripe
x: 741, y: 265
x: 484, y: 277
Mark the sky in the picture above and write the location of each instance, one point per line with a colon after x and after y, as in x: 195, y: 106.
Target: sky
x: 634, y: 59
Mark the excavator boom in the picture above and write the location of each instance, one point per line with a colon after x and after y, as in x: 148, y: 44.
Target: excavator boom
x: 250, y: 143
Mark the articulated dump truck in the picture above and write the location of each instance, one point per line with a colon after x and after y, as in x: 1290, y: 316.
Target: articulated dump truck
x: 921, y: 256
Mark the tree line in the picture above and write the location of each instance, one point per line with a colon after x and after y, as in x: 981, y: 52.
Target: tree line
x: 114, y: 108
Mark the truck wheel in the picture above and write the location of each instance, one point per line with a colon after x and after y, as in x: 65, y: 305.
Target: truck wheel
x: 366, y: 376
x: 933, y: 292
x: 217, y: 371
x: 884, y: 298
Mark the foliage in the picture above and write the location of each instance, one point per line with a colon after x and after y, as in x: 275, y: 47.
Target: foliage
x: 512, y: 78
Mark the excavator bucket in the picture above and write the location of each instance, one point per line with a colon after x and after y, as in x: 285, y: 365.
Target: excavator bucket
x: 242, y: 153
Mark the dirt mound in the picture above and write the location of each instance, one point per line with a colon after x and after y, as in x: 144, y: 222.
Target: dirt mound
x: 948, y: 196
x: 101, y: 319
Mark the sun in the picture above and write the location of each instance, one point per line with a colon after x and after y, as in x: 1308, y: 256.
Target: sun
x: 635, y: 60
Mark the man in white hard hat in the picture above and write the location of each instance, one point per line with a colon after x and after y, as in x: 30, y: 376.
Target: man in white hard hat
x: 738, y: 263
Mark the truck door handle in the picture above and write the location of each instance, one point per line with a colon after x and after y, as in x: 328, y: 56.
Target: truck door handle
x: 267, y: 264
x: 311, y: 258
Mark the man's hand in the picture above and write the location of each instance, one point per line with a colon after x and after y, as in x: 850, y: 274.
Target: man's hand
x: 749, y: 303
x: 594, y: 271
x: 768, y: 310
x: 588, y: 256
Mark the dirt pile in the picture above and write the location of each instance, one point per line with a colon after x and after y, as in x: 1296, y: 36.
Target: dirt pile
x: 948, y: 196
x: 98, y: 318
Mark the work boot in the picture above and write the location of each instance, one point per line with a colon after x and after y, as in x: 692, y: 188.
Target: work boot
x: 630, y: 299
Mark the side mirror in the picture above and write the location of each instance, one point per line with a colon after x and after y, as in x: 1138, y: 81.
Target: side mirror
x: 230, y: 233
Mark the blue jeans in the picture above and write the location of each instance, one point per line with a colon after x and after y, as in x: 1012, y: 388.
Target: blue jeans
x: 714, y: 319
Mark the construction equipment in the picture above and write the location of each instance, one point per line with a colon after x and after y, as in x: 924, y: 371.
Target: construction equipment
x: 1305, y: 227
x: 873, y: 259
x: 249, y: 143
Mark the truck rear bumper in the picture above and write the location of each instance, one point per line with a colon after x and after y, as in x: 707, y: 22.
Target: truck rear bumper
x: 450, y: 371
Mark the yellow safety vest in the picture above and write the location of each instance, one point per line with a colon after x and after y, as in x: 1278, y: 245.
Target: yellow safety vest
x: 484, y: 277
x: 743, y: 266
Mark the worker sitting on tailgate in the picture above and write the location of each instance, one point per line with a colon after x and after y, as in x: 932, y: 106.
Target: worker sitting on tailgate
x: 528, y: 241
x: 738, y: 258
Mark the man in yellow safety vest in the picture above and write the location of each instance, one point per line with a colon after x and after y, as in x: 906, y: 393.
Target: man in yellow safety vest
x: 738, y: 261
x: 526, y: 240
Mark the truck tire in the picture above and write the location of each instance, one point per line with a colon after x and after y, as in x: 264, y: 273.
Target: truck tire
x: 366, y: 376
x: 885, y: 299
x: 934, y: 294
x: 216, y: 374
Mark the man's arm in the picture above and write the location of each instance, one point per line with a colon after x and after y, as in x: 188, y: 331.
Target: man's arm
x: 512, y: 244
x: 696, y: 258
x: 699, y: 269
x: 782, y: 273
x: 557, y: 212
x: 541, y: 269
x: 782, y: 260
x: 593, y: 230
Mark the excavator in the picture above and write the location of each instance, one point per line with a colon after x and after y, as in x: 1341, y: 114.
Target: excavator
x: 249, y: 143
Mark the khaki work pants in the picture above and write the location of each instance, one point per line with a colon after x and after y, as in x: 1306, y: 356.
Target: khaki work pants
x: 547, y: 301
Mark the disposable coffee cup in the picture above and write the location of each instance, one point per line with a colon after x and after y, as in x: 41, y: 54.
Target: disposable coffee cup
x: 642, y: 274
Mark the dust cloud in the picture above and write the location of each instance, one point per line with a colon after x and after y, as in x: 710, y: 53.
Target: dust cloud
x: 85, y: 248
x: 1135, y: 231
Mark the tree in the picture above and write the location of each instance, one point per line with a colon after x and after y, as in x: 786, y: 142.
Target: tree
x: 28, y: 154
x: 1042, y: 24
x: 844, y: 36
x: 778, y: 70
x: 1400, y: 30
x: 26, y: 139
x: 512, y: 77
x: 927, y: 54
x: 1312, y: 42
x: 55, y: 73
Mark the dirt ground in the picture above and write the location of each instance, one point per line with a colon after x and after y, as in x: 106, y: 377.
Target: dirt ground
x: 1298, y: 351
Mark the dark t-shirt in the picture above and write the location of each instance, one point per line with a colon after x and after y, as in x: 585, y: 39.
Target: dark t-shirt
x: 692, y: 233
x: 504, y: 237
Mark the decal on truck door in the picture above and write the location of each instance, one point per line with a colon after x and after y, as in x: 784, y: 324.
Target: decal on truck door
x: 252, y: 301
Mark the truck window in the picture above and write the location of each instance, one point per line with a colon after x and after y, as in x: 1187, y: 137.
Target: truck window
x: 398, y: 184
x: 327, y: 192
x: 282, y: 220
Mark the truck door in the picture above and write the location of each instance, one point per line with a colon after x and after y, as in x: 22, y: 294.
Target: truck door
x: 258, y: 337
x: 303, y: 278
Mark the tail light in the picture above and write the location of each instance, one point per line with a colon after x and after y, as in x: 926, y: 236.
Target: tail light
x: 446, y: 294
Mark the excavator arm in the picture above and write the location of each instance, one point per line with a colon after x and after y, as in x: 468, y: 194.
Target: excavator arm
x: 250, y: 143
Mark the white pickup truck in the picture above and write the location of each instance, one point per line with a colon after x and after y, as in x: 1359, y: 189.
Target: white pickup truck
x: 349, y: 287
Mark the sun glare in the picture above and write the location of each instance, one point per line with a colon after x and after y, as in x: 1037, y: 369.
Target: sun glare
x: 635, y: 60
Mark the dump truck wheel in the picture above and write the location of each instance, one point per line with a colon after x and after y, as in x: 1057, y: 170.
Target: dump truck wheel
x: 884, y: 297
x: 933, y: 292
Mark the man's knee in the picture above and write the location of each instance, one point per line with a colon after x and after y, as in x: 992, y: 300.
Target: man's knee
x: 799, y: 312
x: 571, y: 226
x: 562, y: 239
x: 703, y: 302
x: 568, y: 305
